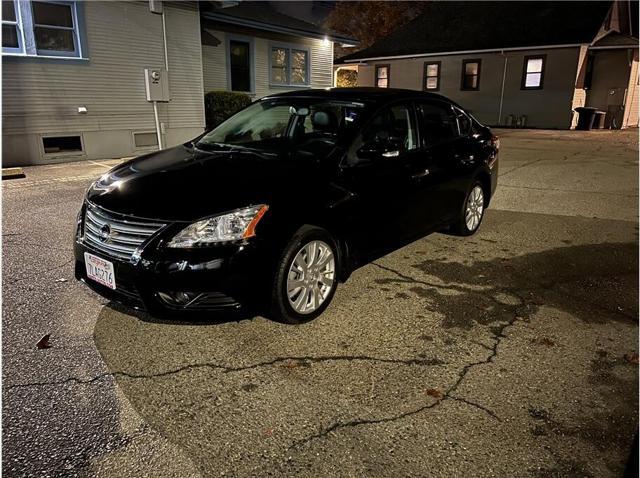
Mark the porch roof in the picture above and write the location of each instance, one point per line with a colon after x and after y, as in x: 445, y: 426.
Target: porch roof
x: 261, y: 16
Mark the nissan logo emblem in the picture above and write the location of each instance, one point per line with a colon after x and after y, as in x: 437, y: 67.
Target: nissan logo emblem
x: 105, y: 233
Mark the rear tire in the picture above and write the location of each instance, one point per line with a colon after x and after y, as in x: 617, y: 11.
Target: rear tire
x: 306, y: 276
x: 472, y: 211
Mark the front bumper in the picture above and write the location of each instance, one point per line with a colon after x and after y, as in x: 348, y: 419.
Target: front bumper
x: 218, y: 278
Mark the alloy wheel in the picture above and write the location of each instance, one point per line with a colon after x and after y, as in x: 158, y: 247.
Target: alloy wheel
x: 474, y: 208
x: 311, y: 277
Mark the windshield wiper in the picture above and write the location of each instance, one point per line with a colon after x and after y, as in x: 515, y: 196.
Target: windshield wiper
x: 211, y: 146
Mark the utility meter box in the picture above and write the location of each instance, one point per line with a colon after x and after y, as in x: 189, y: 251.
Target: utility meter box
x: 156, y: 84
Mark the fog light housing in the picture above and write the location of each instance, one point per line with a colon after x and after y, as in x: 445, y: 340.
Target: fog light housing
x: 179, y: 298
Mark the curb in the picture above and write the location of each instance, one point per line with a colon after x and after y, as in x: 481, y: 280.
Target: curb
x: 12, y: 173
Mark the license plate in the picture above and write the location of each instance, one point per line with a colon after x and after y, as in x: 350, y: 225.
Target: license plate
x: 100, y: 270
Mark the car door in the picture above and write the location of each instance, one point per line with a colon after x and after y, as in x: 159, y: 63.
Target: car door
x: 467, y: 155
x: 446, y: 153
x: 378, y: 174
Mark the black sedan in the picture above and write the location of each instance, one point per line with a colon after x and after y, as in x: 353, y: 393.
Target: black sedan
x: 284, y: 200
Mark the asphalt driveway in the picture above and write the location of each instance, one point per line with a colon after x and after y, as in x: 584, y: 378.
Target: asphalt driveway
x: 510, y: 353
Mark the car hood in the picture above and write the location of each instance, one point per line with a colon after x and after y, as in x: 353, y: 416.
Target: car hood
x: 186, y: 184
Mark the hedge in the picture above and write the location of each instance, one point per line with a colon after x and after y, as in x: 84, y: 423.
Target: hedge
x: 219, y: 105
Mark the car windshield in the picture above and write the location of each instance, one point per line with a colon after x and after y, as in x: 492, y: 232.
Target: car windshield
x: 267, y: 124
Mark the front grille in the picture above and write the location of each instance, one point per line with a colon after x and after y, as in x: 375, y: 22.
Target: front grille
x: 116, y: 235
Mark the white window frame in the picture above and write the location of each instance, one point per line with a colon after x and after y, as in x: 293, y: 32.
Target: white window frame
x: 18, y: 25
x: 26, y: 27
x: 387, y: 67
x: 289, y: 48
x: 526, y: 72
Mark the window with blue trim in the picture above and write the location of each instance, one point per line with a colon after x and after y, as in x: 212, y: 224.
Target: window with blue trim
x: 40, y: 28
x: 289, y: 66
x: 11, y: 34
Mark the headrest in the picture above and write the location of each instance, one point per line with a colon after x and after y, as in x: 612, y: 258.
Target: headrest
x: 321, y: 118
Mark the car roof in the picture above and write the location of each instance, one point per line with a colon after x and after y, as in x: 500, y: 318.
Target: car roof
x: 366, y: 94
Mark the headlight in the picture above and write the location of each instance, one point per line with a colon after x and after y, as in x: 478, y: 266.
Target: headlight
x: 233, y: 226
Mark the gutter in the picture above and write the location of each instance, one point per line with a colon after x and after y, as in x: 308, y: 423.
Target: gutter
x: 278, y: 29
x: 615, y: 47
x: 463, y: 52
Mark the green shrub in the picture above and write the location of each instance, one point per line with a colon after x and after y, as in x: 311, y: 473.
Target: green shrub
x: 219, y: 105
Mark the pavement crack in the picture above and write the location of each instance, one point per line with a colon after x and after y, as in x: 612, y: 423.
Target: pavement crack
x: 294, y: 361
x: 447, y: 395
x: 359, y: 422
x: 476, y: 405
x: 413, y: 280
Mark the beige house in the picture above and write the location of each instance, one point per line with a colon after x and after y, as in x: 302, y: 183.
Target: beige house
x: 519, y: 64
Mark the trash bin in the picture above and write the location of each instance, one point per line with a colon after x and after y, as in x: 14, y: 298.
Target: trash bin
x: 599, y: 120
x: 586, y: 117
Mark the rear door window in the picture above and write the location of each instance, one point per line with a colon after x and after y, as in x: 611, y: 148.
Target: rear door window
x: 439, y: 122
x: 464, y: 122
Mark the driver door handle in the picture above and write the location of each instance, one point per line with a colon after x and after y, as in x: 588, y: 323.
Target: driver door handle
x: 391, y: 154
x: 421, y: 174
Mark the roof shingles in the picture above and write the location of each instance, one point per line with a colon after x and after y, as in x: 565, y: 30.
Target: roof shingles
x: 470, y: 26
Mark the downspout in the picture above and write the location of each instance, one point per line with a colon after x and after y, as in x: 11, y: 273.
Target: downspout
x: 166, y: 66
x: 504, y: 78
x: 164, y: 40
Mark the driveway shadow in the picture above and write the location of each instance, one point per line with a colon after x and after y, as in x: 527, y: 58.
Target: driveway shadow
x: 238, y: 395
x: 581, y: 280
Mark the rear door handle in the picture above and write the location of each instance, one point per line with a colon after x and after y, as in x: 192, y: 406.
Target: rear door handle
x: 465, y: 159
x: 421, y: 174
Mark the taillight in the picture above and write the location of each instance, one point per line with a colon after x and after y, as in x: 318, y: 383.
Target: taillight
x: 495, y: 142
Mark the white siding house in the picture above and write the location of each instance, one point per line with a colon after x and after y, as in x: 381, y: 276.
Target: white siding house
x: 73, y: 76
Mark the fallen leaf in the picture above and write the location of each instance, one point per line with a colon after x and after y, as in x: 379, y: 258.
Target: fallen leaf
x: 296, y: 364
x: 43, y: 343
x: 434, y: 392
x: 543, y: 341
x: 268, y: 432
x: 632, y: 358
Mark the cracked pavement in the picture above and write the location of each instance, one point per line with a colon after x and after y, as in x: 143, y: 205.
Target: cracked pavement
x: 509, y: 353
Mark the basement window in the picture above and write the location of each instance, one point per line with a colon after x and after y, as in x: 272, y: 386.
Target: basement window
x: 62, y: 144
x: 145, y: 140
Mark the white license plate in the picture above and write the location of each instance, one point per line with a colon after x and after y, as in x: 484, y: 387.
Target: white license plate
x: 100, y: 270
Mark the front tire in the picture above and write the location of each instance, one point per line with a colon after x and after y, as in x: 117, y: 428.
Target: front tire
x: 472, y: 211
x: 306, y: 277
